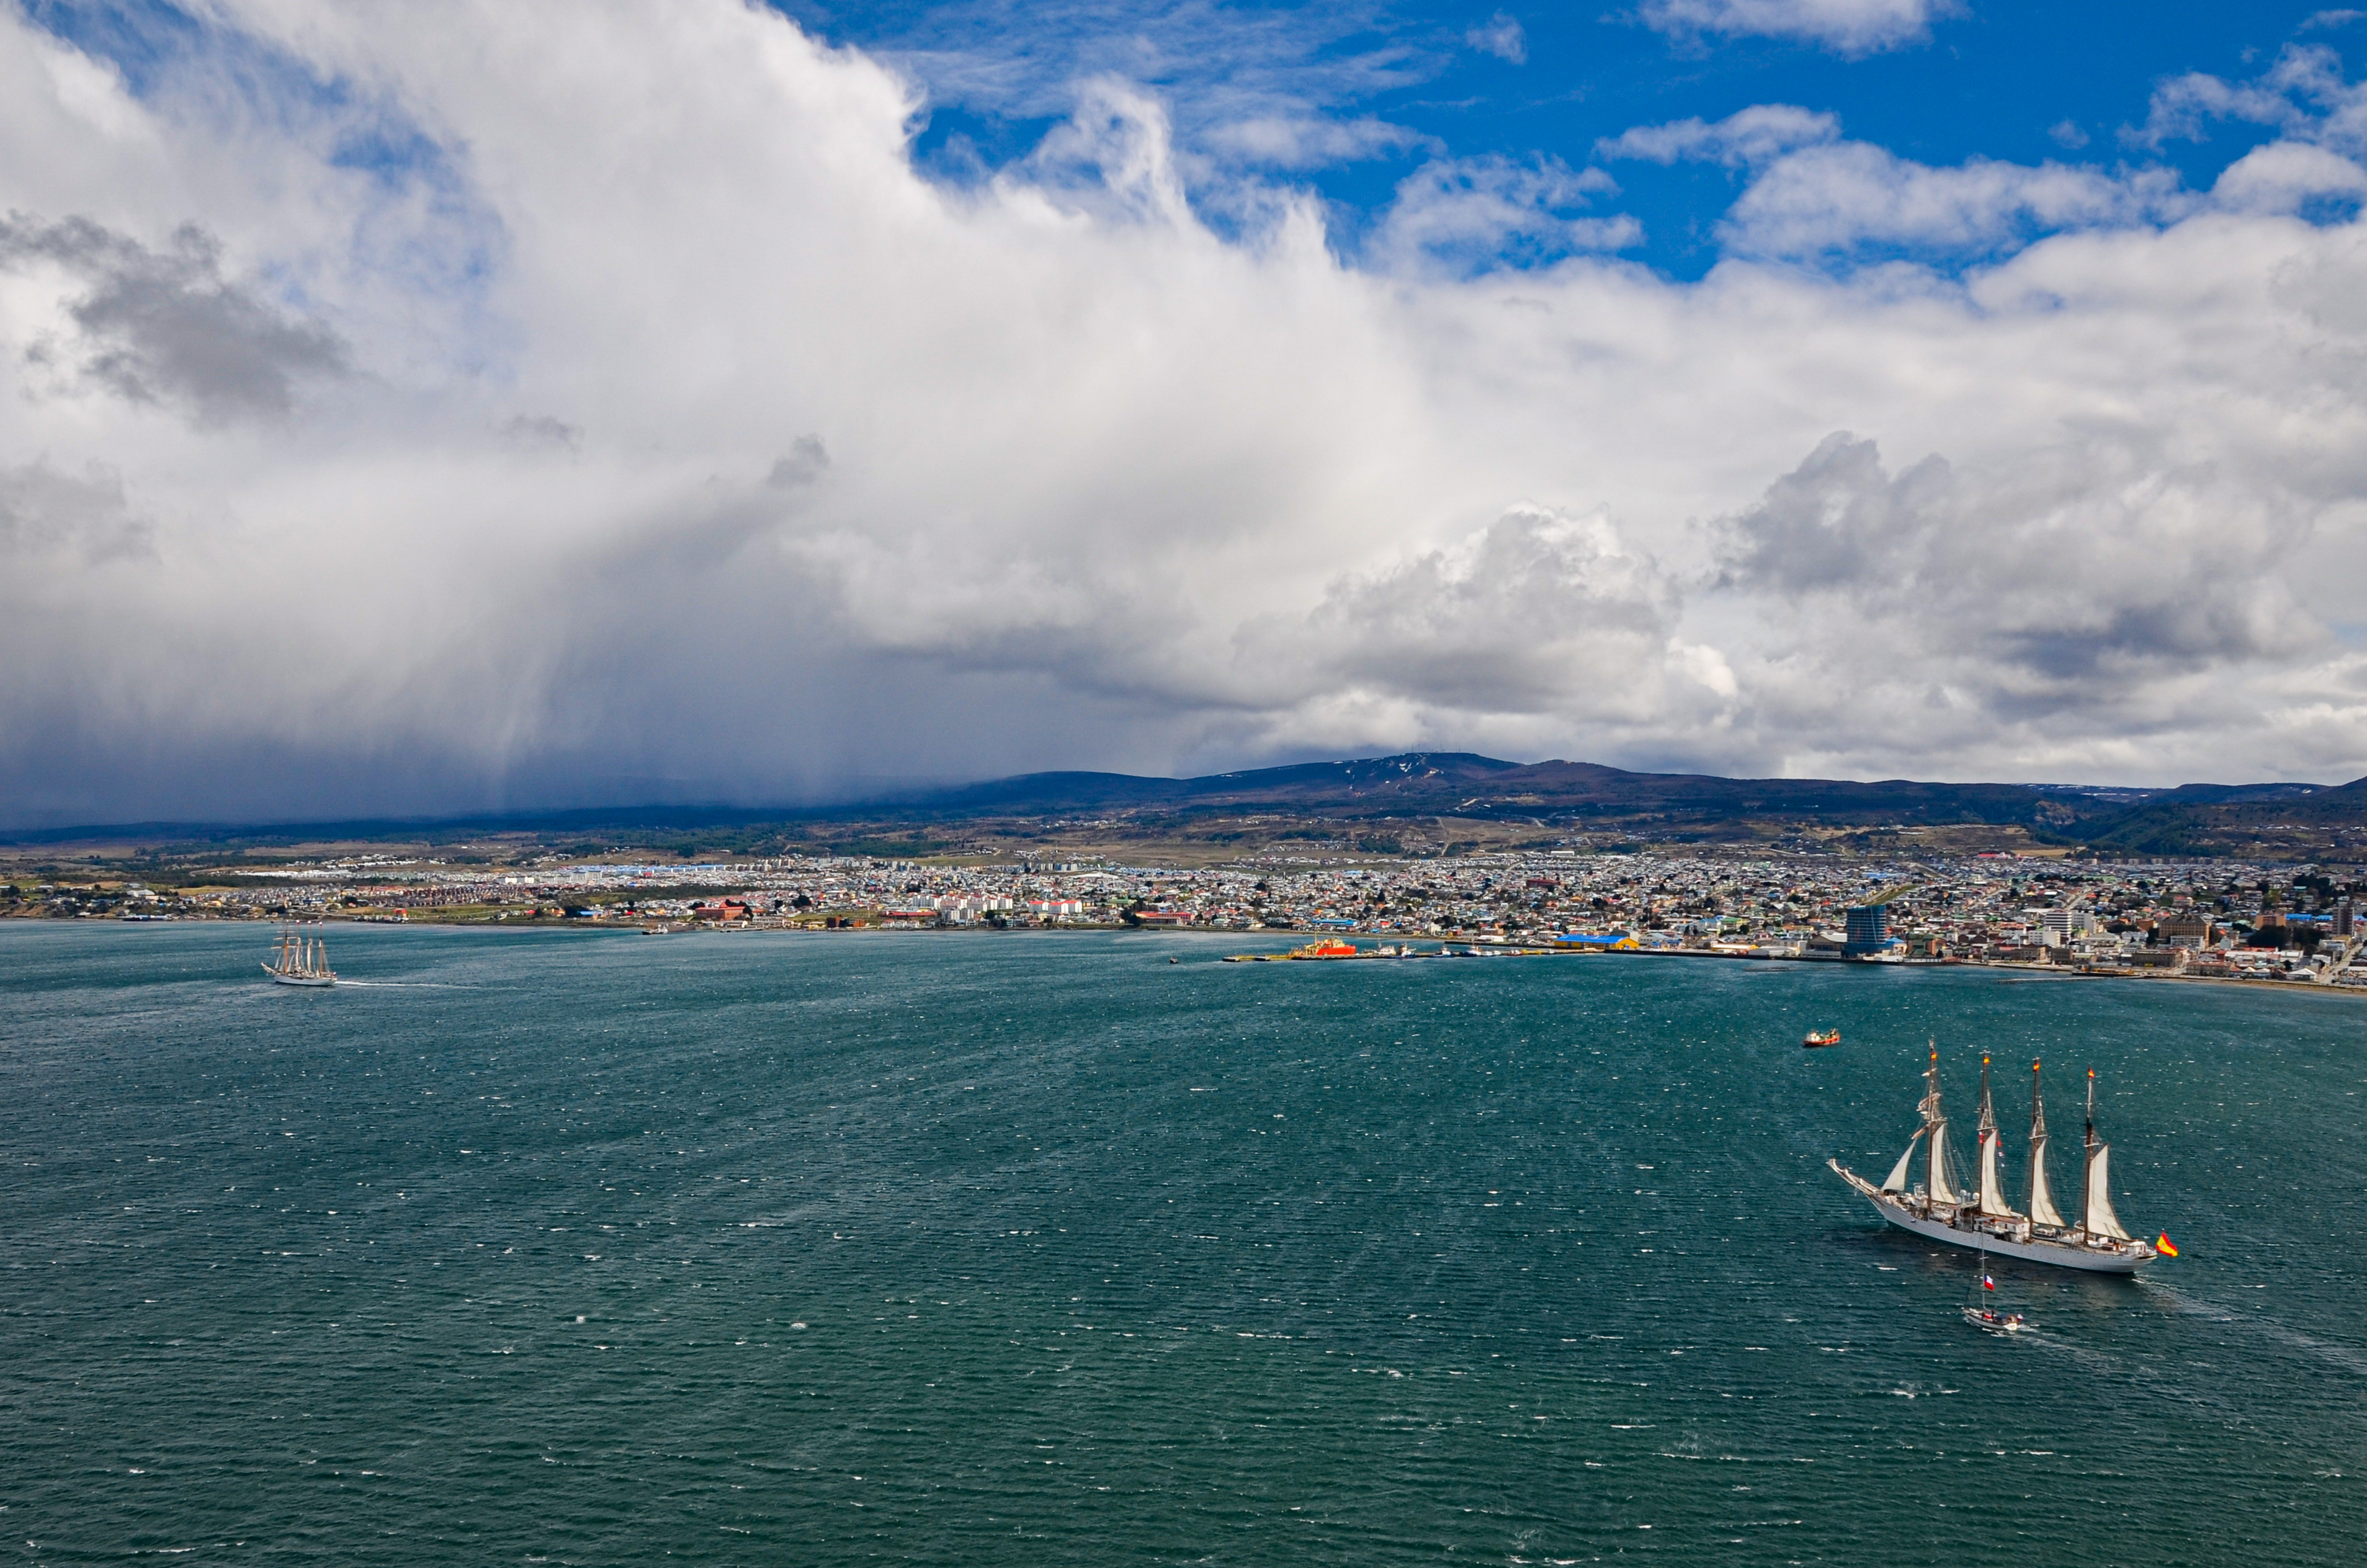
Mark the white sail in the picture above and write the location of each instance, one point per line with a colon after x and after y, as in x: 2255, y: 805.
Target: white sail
x: 1898, y: 1182
x: 2042, y: 1203
x: 2101, y: 1220
x: 1943, y: 1191
x: 1992, y: 1195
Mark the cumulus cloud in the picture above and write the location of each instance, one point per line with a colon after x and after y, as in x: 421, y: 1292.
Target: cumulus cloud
x: 1476, y: 212
x: 154, y: 326
x: 2096, y: 586
x: 2285, y: 177
x: 2303, y: 95
x: 1307, y: 141
x: 1853, y: 195
x: 1746, y: 139
x: 1846, y: 26
x: 1811, y: 195
x: 674, y: 437
x: 1500, y: 36
x: 1500, y: 622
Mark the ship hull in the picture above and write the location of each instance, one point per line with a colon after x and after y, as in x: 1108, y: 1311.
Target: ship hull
x: 2126, y: 1257
x: 2088, y: 1260
x: 312, y: 980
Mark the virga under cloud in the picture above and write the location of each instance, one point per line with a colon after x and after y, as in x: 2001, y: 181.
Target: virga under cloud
x: 535, y: 403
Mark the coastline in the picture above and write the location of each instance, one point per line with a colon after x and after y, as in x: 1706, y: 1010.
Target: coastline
x: 1475, y: 946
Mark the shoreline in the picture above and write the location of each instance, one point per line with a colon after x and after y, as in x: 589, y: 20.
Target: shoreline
x: 1490, y: 947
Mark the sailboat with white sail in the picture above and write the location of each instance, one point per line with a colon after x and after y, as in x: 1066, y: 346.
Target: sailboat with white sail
x: 297, y: 959
x: 1941, y: 1207
x: 1987, y: 1318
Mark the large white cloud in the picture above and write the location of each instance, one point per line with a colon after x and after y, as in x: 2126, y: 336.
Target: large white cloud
x: 537, y: 404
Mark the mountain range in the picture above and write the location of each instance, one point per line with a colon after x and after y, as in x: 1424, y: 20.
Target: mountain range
x: 2271, y: 820
x: 1423, y: 802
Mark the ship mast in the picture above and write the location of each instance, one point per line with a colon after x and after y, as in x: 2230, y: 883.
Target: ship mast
x: 2096, y: 1216
x: 1936, y: 1120
x: 2042, y: 1203
x: 1993, y: 1201
x: 2088, y: 1164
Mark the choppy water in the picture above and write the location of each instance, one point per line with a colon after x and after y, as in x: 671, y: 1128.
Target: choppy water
x: 980, y: 1250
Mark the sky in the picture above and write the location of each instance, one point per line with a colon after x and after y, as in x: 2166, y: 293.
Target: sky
x: 509, y: 404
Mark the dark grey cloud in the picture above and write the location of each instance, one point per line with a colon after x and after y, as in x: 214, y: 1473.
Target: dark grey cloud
x: 2093, y: 588
x: 542, y: 430
x: 807, y: 460
x: 1839, y: 521
x: 44, y: 511
x: 2095, y: 561
x: 1498, y: 625
x: 168, y: 327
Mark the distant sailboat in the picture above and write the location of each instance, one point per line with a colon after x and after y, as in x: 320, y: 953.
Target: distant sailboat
x: 1982, y: 1315
x: 300, y: 960
x: 1940, y: 1207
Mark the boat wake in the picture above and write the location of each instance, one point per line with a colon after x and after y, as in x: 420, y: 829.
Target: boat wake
x: 2341, y: 1356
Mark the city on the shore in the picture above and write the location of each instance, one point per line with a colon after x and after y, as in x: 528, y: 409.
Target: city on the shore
x: 2209, y: 919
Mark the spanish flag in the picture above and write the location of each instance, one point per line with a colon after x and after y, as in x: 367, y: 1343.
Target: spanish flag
x: 2162, y: 1246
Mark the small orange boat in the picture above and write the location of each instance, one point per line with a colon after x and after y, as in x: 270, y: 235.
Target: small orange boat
x: 1821, y: 1037
x: 1328, y: 947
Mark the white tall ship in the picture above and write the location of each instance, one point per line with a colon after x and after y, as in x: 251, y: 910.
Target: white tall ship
x: 300, y: 960
x: 1940, y: 1205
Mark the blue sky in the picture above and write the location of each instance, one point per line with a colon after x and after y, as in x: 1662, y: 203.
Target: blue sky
x: 2002, y: 80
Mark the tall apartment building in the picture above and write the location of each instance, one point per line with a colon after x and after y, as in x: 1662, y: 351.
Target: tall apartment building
x: 1865, y: 929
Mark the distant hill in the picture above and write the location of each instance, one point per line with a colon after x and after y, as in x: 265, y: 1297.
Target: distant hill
x: 2271, y: 820
x: 1463, y: 784
x: 1429, y: 802
x: 2276, y: 821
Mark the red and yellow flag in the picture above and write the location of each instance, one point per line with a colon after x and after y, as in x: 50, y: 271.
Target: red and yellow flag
x: 2162, y: 1246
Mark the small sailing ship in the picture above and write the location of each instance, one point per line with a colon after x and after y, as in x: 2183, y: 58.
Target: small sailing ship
x: 297, y: 959
x: 1989, y: 1319
x: 1941, y: 1207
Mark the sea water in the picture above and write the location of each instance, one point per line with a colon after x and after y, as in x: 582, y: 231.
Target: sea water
x: 1036, y: 1249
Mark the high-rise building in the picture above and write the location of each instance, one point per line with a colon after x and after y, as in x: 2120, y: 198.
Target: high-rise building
x: 2062, y: 924
x: 1865, y: 929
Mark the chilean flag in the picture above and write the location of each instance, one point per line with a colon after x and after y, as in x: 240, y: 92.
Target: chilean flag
x: 1987, y: 1283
